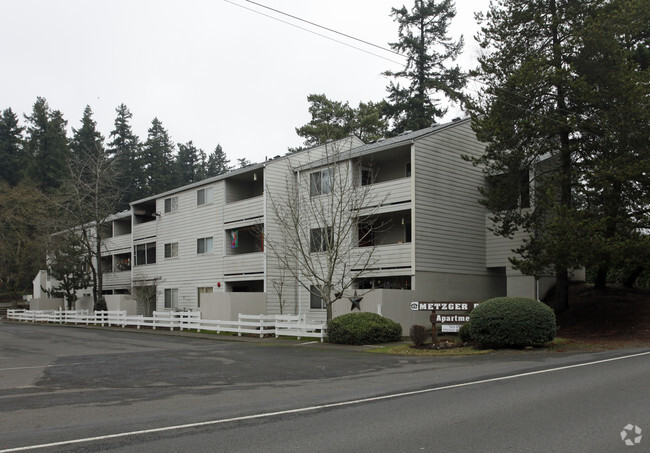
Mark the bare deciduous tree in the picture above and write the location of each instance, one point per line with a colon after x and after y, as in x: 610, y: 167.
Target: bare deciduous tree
x: 88, y: 198
x: 315, y: 223
x: 144, y: 292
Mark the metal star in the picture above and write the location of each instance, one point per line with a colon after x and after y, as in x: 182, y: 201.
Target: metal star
x: 356, y: 302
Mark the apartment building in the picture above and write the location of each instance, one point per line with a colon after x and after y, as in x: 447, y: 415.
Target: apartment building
x: 434, y: 244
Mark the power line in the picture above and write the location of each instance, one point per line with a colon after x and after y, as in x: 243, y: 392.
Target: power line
x: 314, y: 32
x: 326, y: 28
x: 387, y: 50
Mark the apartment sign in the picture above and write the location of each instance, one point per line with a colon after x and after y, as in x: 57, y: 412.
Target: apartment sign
x: 443, y: 306
x: 450, y: 315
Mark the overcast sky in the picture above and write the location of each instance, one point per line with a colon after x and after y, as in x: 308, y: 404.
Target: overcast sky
x: 211, y: 71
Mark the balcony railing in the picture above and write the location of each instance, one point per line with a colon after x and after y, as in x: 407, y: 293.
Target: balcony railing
x: 390, y: 256
x: 243, y: 210
x: 390, y: 192
x: 244, y: 264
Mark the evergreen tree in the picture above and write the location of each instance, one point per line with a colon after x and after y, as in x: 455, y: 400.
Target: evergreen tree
x: 334, y: 120
x: 125, y: 148
x: 330, y: 120
x: 188, y: 163
x: 564, y: 110
x: 369, y: 123
x: 158, y: 160
x: 202, y: 165
x: 424, y: 41
x: 217, y: 163
x: 87, y: 139
x: 243, y: 162
x: 12, y: 158
x: 47, y: 146
x: 612, y: 91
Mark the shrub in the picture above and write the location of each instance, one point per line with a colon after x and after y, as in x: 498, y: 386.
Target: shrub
x: 363, y: 328
x: 512, y: 322
x: 464, y: 334
x: 418, y: 335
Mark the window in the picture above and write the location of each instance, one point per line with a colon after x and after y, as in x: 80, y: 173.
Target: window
x: 315, y: 301
x: 203, y: 290
x: 171, y: 298
x: 145, y: 253
x: 320, y: 183
x: 171, y: 250
x: 204, y: 196
x: 407, y: 170
x: 321, y: 239
x: 171, y: 204
x: 204, y: 245
x: 367, y: 177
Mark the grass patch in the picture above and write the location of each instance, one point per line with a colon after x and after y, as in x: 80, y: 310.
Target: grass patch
x: 406, y: 349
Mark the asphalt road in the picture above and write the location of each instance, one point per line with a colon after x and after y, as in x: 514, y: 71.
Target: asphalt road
x: 78, y: 389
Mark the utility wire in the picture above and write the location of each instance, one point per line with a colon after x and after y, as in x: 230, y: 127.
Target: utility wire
x: 326, y: 28
x: 315, y: 33
x: 387, y: 59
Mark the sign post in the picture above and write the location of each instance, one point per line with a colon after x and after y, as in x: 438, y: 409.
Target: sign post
x: 434, y: 330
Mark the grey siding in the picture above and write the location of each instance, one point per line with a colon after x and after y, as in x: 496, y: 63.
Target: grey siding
x: 190, y: 270
x: 449, y: 226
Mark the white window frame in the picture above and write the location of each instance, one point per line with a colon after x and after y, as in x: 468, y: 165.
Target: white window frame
x: 170, y: 204
x: 147, y: 246
x: 323, y: 236
x: 171, y: 298
x: 207, y: 193
x: 172, y: 247
x: 320, y: 182
x: 204, y: 245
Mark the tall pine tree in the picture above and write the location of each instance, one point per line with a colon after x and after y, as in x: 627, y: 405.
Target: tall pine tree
x: 12, y: 155
x: 188, y: 163
x: 124, y: 147
x: 560, y: 111
x: 218, y: 163
x: 424, y: 41
x: 47, y: 146
x: 158, y: 160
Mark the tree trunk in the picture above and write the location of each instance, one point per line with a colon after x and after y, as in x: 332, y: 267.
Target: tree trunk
x: 561, y: 290
x: 329, y: 311
x: 601, y: 277
x: 98, y: 255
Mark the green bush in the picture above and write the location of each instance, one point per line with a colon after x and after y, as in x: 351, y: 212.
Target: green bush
x: 463, y: 333
x: 512, y: 322
x: 363, y: 328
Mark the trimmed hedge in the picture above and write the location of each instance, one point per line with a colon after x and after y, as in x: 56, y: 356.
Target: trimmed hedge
x: 512, y: 322
x: 464, y: 334
x: 363, y: 328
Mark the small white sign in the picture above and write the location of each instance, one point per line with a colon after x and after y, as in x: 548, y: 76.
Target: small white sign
x: 450, y: 327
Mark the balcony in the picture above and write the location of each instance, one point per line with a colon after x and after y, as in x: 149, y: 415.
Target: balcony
x: 394, y: 194
x: 391, y: 259
x: 243, y: 266
x: 244, y: 211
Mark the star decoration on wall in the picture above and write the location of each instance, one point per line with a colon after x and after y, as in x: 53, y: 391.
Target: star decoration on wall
x: 356, y: 302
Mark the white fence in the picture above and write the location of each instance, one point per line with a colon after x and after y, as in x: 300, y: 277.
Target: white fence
x: 278, y: 325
